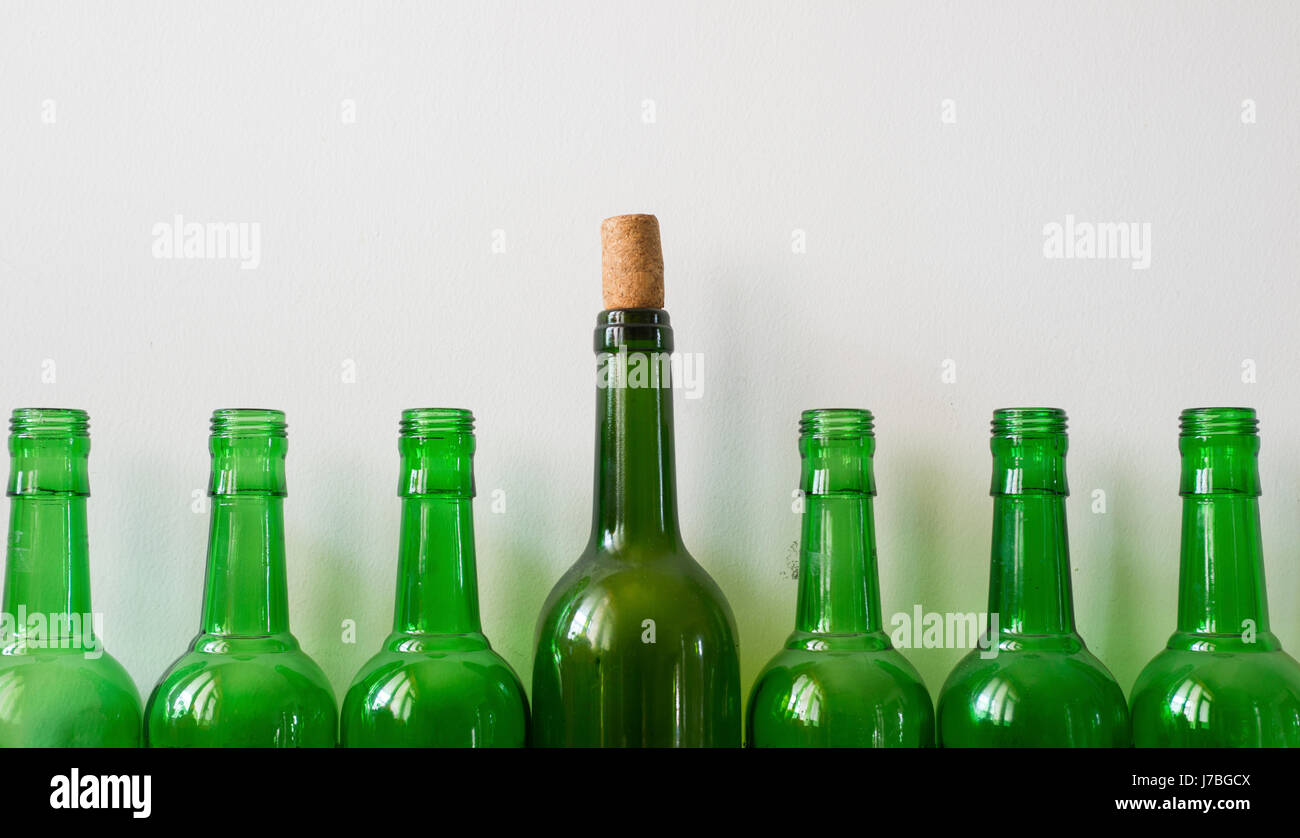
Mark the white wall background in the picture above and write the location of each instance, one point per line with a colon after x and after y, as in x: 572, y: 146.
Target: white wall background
x: 924, y: 243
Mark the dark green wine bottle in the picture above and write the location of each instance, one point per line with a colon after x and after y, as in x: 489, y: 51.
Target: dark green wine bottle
x: 1223, y: 679
x: 1042, y: 688
x: 436, y: 682
x: 244, y: 683
x: 839, y: 682
x: 636, y: 645
x: 58, y: 687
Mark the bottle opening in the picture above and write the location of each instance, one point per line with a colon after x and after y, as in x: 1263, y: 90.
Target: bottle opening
x: 1217, y: 421
x: 49, y: 422
x: 233, y: 423
x: 836, y: 423
x: 1012, y: 422
x: 424, y: 422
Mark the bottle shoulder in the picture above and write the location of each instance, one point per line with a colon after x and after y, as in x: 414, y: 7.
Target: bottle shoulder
x: 64, y: 699
x: 430, y: 660
x: 411, y: 645
x: 1185, y: 698
x: 1015, y: 674
x: 96, y: 665
x: 226, y: 666
x: 854, y: 674
x: 1032, y: 699
x: 847, y: 699
x: 254, y: 700
x: 469, y: 700
x: 1269, y: 676
x: 471, y: 679
x: 668, y: 584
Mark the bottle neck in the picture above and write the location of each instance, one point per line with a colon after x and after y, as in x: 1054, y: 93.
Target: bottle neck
x: 635, y: 498
x: 246, y: 593
x: 47, y: 571
x: 437, y: 588
x: 1029, y: 581
x: 437, y: 591
x: 839, y: 591
x: 1221, y: 590
x: 47, y: 568
x: 1029, y: 586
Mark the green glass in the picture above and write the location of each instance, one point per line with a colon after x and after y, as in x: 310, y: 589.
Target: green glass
x: 1223, y: 679
x: 58, y: 687
x: 839, y: 682
x: 436, y: 682
x: 1042, y: 688
x: 636, y: 645
x: 244, y: 683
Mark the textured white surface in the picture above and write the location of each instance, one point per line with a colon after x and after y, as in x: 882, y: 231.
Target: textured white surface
x: 924, y: 243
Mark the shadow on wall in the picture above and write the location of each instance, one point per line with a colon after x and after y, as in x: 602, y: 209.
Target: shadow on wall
x: 349, y: 611
x: 1131, y: 623
x: 165, y: 599
x: 937, y: 560
x: 534, y: 557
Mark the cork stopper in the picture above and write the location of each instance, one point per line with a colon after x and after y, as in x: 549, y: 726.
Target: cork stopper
x: 631, y: 262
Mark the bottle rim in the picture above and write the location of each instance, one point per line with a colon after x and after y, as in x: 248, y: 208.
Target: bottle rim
x: 425, y: 422
x: 1019, y: 422
x: 837, y: 423
x: 237, y: 422
x: 1201, y: 422
x: 48, y: 422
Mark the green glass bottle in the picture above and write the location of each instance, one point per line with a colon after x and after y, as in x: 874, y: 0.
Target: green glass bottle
x: 1037, y: 685
x: 58, y: 687
x: 839, y: 682
x: 1223, y: 679
x: 436, y: 682
x: 636, y: 645
x: 244, y: 683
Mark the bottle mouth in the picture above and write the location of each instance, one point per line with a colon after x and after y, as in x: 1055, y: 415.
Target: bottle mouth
x: 425, y: 422
x: 836, y: 423
x: 48, y: 423
x: 237, y: 422
x: 1200, y: 422
x: 1019, y: 422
